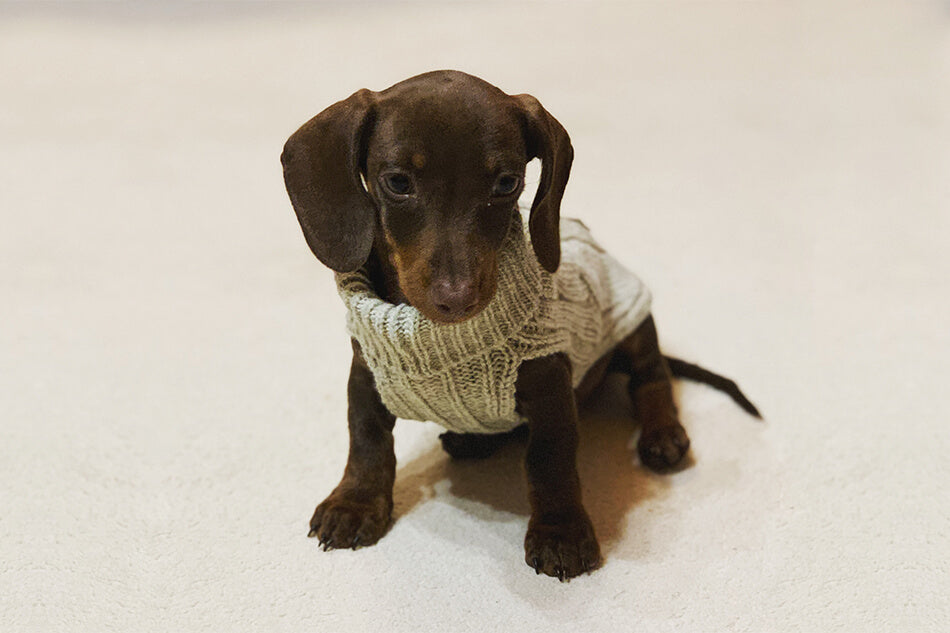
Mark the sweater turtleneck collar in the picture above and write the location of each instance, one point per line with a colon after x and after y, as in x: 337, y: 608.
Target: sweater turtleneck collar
x: 399, y: 335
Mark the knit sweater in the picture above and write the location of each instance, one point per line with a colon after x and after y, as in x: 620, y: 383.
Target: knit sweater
x: 462, y: 376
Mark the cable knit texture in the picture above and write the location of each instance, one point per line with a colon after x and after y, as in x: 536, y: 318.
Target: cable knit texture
x: 462, y: 376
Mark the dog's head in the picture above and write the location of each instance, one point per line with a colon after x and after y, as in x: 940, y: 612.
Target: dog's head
x: 429, y: 171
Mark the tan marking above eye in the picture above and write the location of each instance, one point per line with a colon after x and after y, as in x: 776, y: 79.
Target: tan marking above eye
x: 418, y: 160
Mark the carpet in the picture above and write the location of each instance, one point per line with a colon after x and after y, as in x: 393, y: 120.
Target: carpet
x: 173, y: 359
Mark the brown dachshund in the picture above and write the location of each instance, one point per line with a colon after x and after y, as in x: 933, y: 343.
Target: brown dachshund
x: 416, y: 186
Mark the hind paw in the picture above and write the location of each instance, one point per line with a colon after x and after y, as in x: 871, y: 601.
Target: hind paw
x: 664, y: 447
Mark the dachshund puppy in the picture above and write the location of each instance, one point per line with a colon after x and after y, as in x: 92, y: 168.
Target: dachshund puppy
x: 461, y: 316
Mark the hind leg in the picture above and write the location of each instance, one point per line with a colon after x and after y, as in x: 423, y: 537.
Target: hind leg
x: 478, y: 445
x: 663, y: 441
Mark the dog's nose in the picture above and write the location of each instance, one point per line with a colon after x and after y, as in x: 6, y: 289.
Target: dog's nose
x: 454, y: 299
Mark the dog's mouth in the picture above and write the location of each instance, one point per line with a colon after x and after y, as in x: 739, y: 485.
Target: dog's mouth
x: 440, y: 317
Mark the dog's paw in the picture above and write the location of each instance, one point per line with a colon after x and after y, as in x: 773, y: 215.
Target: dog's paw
x: 350, y: 521
x: 467, y: 445
x: 663, y: 448
x: 563, y: 548
x: 478, y: 445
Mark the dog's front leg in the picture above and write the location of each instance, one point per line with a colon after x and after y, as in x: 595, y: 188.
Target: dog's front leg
x: 357, y: 513
x: 560, y: 541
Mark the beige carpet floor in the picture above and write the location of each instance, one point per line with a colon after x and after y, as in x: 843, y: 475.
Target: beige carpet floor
x: 173, y: 359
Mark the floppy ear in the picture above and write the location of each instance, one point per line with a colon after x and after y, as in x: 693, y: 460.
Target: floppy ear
x: 548, y: 140
x: 322, y: 173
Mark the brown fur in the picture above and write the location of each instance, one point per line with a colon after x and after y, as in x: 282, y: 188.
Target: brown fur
x: 443, y: 157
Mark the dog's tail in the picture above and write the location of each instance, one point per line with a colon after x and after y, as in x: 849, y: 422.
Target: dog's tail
x: 689, y: 371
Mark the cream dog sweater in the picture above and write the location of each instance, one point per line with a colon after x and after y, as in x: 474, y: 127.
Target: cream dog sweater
x: 462, y: 376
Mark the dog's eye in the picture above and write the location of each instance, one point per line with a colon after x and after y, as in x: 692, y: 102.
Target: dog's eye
x: 397, y: 184
x: 506, y: 185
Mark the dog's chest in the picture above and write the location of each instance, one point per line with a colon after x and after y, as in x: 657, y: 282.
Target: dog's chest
x: 462, y: 376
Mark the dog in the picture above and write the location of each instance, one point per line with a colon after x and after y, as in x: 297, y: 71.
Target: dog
x: 411, y: 196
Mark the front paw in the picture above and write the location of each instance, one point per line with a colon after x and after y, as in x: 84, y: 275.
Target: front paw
x: 562, y: 547
x: 351, y: 520
x: 664, y: 447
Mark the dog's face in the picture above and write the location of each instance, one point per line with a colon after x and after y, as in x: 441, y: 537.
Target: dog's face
x: 445, y: 171
x: 442, y: 157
